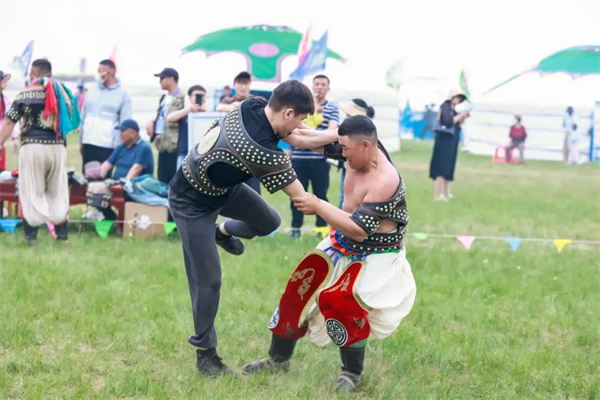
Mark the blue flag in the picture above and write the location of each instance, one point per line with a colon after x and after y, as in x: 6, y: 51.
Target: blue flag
x: 406, y: 122
x: 22, y: 63
x: 8, y: 225
x: 314, y: 61
x: 514, y: 243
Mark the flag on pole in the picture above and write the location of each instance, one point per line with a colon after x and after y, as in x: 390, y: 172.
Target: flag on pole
x: 22, y: 63
x: 315, y: 60
x: 113, y: 57
x: 304, y: 45
x: 464, y: 84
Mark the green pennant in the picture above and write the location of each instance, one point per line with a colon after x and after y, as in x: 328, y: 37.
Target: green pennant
x: 169, y: 227
x: 420, y: 236
x: 103, y: 227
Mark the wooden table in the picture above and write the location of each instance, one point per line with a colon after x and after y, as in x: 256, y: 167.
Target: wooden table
x: 77, y: 196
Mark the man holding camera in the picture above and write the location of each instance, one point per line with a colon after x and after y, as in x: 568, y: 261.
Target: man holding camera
x: 197, y: 97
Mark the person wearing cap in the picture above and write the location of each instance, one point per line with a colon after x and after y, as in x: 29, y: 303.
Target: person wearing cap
x: 104, y: 107
x: 133, y: 157
x: 4, y: 106
x: 241, y: 84
x: 445, y: 149
x: 164, y: 133
x: 352, y: 108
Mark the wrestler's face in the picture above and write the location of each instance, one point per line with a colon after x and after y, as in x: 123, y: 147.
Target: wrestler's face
x: 290, y: 121
x: 356, y: 151
x: 242, y: 88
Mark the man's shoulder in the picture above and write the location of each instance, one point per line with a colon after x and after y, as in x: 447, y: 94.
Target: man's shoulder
x: 329, y: 106
x: 144, y: 145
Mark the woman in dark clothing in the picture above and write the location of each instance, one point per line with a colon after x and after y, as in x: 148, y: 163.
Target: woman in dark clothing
x: 445, y: 148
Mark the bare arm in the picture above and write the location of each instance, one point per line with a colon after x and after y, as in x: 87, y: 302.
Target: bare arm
x: 6, y: 131
x: 134, y: 171
x: 332, y: 125
x: 310, y: 139
x: 106, y: 167
x: 295, y: 189
x: 335, y: 217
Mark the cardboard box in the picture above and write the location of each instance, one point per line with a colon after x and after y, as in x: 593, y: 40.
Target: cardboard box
x: 144, y: 221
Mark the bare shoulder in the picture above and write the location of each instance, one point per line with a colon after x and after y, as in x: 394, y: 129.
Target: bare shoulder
x: 385, y: 185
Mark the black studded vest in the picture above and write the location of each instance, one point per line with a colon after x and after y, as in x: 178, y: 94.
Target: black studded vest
x: 235, y: 147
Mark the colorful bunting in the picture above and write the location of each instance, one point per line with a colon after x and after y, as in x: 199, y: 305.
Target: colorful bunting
x: 420, y: 236
x: 514, y: 243
x: 323, y: 231
x: 51, y: 228
x: 169, y: 227
x: 8, y: 225
x: 274, y: 232
x: 466, y: 241
x: 103, y: 227
x: 561, y: 243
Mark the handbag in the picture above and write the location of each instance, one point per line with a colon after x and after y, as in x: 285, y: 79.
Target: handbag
x: 438, y: 128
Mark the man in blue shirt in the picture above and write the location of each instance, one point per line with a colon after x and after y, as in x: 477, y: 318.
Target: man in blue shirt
x: 133, y: 157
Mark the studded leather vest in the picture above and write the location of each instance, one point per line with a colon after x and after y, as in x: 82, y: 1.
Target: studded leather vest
x: 227, y: 141
x: 370, y: 215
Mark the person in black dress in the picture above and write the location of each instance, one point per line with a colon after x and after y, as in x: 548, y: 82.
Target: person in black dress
x: 445, y: 149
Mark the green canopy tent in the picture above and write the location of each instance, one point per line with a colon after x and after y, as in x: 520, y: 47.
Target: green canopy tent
x: 263, y: 46
x: 575, y: 61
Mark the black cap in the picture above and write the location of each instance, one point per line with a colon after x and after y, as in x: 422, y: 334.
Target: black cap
x: 243, y: 76
x: 168, y: 73
x: 2, y: 75
x: 129, y: 124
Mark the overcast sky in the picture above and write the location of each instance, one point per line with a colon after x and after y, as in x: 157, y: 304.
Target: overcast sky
x: 491, y: 40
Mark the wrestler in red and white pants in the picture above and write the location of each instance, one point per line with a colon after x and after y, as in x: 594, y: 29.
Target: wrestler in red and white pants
x: 343, y: 298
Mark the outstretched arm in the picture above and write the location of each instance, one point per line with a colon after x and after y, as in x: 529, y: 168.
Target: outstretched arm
x: 310, y: 139
x: 335, y: 217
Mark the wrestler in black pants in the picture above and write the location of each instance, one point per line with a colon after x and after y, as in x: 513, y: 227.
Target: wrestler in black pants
x: 195, y: 216
x: 316, y: 172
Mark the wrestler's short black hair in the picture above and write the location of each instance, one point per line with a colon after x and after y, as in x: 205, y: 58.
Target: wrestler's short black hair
x: 43, y: 66
x: 293, y: 94
x: 358, y: 125
x: 108, y: 63
x: 322, y: 77
x: 194, y: 88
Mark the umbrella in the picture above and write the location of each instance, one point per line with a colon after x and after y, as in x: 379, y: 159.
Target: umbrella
x: 575, y: 61
x: 263, y: 46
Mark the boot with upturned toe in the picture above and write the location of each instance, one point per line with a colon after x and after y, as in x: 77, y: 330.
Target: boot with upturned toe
x: 347, y: 381
x: 231, y: 244
x: 266, y: 364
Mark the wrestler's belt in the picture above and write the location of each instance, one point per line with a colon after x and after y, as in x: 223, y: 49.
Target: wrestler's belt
x: 374, y: 243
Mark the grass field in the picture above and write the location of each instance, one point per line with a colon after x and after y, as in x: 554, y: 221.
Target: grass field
x: 104, y: 319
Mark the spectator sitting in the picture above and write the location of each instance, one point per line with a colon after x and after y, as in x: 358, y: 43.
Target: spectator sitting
x: 226, y: 93
x: 132, y: 158
x: 517, y: 136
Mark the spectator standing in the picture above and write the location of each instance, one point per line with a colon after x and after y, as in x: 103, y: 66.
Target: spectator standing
x: 182, y: 116
x: 47, y: 113
x: 312, y: 167
x: 164, y: 133
x: 570, y: 153
x: 445, y: 148
x: 103, y: 110
x: 4, y: 106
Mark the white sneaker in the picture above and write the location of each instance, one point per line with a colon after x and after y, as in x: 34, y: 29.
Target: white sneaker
x: 441, y: 198
x: 94, y: 213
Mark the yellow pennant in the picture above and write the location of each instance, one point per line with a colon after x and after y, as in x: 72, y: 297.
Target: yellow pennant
x: 324, y: 231
x: 561, y: 243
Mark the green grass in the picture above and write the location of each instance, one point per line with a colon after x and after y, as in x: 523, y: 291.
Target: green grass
x: 109, y: 318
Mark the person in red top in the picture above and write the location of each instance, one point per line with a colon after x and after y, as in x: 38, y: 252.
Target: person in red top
x: 517, y: 136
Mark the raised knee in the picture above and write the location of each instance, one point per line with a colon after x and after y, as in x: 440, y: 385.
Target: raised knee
x: 270, y: 225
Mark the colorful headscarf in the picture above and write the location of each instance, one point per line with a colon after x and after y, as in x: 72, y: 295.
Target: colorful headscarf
x: 60, y: 103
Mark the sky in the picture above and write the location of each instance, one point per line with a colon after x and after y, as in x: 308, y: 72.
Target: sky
x: 490, y: 40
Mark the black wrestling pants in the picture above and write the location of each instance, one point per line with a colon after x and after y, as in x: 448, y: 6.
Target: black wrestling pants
x: 195, y: 216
